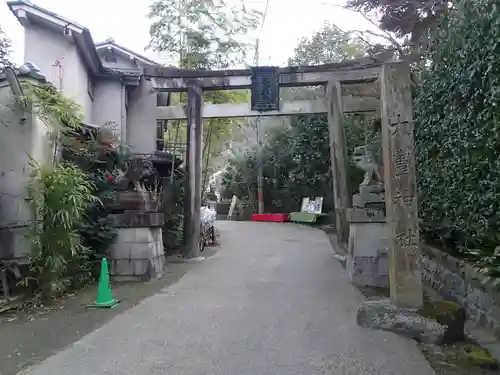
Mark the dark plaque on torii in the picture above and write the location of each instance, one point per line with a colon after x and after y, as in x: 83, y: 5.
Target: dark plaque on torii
x: 265, y: 89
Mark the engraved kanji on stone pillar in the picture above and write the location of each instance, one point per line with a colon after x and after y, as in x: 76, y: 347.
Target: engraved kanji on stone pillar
x: 400, y: 186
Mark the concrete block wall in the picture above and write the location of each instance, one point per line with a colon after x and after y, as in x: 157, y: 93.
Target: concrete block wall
x: 137, y: 254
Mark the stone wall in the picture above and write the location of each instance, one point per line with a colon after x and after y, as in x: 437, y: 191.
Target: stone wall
x: 243, y: 214
x: 454, y: 280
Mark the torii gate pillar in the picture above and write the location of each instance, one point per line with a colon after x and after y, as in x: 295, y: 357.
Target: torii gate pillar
x: 192, y: 186
x: 339, y: 159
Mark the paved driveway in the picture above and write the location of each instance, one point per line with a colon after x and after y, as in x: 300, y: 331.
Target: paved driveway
x: 273, y: 300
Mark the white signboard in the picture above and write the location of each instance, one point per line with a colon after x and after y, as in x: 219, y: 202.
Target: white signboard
x: 312, y: 207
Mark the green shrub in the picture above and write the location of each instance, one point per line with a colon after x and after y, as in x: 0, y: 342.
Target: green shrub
x: 458, y: 131
x: 174, y: 217
x: 90, y: 150
x: 59, y: 198
x: 296, y: 164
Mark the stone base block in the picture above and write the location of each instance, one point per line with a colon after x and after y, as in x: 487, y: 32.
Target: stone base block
x: 407, y: 322
x: 368, y: 271
x: 367, y: 259
x: 14, y: 243
x: 137, y: 254
x: 364, y: 271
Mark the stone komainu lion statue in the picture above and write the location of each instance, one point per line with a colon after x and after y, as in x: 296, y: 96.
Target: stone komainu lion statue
x: 363, y: 158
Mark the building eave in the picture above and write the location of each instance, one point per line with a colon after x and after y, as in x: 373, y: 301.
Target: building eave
x: 125, y: 51
x: 28, y: 13
x: 130, y: 78
x: 27, y: 7
x: 88, y: 47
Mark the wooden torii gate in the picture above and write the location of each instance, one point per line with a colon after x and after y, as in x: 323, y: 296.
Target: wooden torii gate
x: 394, y: 103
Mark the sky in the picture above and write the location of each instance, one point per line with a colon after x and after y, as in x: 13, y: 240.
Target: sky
x: 287, y: 21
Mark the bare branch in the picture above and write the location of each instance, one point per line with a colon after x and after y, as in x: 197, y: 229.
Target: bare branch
x: 383, y: 33
x: 365, y: 41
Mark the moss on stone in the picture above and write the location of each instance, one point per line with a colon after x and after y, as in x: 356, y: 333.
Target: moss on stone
x: 453, y: 359
x: 481, y: 357
x: 440, y: 310
x: 449, y: 314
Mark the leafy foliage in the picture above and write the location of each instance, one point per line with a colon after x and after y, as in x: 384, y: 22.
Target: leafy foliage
x: 174, y: 219
x: 72, y: 224
x: 202, y: 34
x: 93, y: 153
x: 52, y: 107
x: 296, y: 165
x: 217, y: 133
x: 458, y: 134
x: 5, y: 46
x: 59, y: 198
x: 327, y: 45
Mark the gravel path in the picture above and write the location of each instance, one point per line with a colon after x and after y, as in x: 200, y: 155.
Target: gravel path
x: 273, y: 300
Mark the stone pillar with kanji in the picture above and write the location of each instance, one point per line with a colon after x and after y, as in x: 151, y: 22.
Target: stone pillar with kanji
x: 400, y: 186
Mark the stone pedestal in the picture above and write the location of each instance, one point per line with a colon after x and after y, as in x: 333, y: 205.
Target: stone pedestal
x: 137, y: 254
x: 367, y: 259
x: 369, y: 197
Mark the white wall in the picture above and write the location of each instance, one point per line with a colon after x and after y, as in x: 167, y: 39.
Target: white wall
x: 109, y: 105
x: 141, y: 118
x: 44, y: 48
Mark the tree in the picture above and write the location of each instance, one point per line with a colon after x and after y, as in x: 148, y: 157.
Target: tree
x: 5, y: 46
x: 204, y: 35
x: 330, y: 44
x: 207, y: 34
